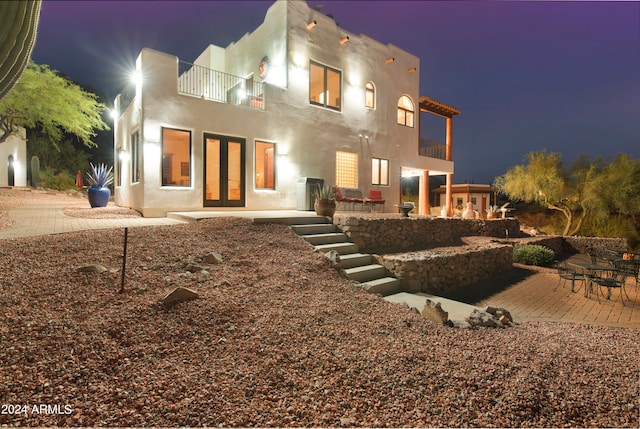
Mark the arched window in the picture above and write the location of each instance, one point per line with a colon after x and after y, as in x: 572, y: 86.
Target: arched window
x: 370, y: 95
x: 405, y: 111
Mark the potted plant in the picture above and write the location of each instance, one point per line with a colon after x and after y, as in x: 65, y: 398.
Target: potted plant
x: 325, y: 204
x: 99, y: 178
x: 492, y: 212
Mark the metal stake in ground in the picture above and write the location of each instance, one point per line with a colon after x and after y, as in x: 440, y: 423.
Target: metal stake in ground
x: 124, y: 260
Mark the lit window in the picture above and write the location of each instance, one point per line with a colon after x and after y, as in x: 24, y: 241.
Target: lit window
x: 135, y: 157
x: 325, y: 87
x: 265, y: 165
x: 176, y: 157
x: 405, y: 111
x: 347, y: 169
x: 370, y: 95
x: 379, y: 171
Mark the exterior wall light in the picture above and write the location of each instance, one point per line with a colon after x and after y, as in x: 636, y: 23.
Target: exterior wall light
x: 344, y: 40
x: 412, y: 69
x: 311, y: 24
x: 389, y: 60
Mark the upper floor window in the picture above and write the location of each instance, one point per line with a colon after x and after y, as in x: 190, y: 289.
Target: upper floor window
x: 176, y: 157
x: 405, y: 111
x: 325, y: 86
x: 370, y: 95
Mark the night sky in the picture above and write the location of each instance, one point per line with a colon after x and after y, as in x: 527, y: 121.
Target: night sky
x: 560, y: 76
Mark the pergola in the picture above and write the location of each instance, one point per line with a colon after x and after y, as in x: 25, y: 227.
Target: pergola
x: 430, y: 105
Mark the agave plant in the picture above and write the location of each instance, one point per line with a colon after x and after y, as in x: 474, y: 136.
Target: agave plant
x: 100, y: 176
x: 325, y: 192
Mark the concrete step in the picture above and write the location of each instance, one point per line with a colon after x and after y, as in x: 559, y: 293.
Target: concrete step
x: 342, y: 248
x: 314, y: 228
x: 332, y: 237
x: 365, y: 273
x: 384, y: 286
x: 458, y: 311
x: 354, y: 260
x: 291, y: 220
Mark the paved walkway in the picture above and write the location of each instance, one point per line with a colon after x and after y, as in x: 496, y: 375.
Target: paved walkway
x: 532, y: 296
x: 43, y: 219
x: 528, y: 295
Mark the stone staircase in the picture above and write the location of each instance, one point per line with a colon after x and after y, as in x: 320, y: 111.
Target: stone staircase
x: 360, y: 267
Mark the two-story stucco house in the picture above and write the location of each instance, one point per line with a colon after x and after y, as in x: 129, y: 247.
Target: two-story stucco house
x: 243, y: 126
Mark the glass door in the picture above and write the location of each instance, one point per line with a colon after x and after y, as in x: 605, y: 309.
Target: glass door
x: 224, y: 168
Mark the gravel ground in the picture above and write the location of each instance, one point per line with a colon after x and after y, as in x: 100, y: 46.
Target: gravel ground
x: 276, y: 339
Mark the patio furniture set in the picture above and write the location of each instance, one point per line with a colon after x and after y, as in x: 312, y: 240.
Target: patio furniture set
x: 602, y: 272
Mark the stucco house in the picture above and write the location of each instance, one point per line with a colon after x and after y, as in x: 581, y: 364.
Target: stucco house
x: 13, y: 153
x: 298, y: 98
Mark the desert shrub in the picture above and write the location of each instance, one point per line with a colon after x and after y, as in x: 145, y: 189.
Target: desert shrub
x: 533, y: 254
x: 60, y: 181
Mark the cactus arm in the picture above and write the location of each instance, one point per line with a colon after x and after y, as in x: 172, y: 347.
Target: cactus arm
x: 18, y: 30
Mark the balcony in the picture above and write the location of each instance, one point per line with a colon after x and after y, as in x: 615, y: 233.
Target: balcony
x: 217, y: 86
x: 432, y: 149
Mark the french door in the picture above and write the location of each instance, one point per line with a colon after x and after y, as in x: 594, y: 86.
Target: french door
x: 224, y: 171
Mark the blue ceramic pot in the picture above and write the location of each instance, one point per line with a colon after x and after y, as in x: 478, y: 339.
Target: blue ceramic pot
x: 98, y: 197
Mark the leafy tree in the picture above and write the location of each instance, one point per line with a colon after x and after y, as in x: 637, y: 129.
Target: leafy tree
x: 47, y: 101
x: 589, y: 187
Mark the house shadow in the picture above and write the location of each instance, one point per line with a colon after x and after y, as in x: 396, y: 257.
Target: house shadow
x: 484, y: 289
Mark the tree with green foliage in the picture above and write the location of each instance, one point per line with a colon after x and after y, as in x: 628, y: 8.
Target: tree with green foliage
x: 595, y: 188
x: 42, y: 99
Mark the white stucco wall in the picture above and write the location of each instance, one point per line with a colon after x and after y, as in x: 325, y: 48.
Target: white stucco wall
x: 306, y: 136
x: 15, y: 146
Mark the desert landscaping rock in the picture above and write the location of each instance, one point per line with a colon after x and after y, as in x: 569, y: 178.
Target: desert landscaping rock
x: 177, y: 296
x: 212, y: 258
x: 93, y: 268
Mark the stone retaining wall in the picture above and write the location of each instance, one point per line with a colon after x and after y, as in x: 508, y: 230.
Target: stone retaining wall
x: 595, y: 245
x: 392, y: 234
x: 446, y: 269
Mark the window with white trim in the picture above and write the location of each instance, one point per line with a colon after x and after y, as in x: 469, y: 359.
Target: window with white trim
x: 265, y: 165
x: 405, y: 111
x: 346, y: 169
x: 176, y: 157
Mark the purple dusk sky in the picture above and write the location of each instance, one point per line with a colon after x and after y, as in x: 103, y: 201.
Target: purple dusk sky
x: 561, y: 76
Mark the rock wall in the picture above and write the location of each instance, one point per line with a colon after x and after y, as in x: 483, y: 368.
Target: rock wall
x: 392, y: 234
x: 595, y: 245
x: 446, y: 269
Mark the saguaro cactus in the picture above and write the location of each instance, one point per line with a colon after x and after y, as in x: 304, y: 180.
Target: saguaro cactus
x: 35, y: 171
x: 18, y: 28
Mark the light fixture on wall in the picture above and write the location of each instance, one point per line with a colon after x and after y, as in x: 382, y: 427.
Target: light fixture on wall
x: 311, y: 24
x: 389, y: 60
x: 344, y: 40
x: 412, y: 69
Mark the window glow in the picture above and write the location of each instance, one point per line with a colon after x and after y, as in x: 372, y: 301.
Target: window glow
x: 325, y: 86
x: 265, y: 165
x: 370, y: 95
x: 347, y: 169
x: 176, y: 157
x: 405, y: 111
